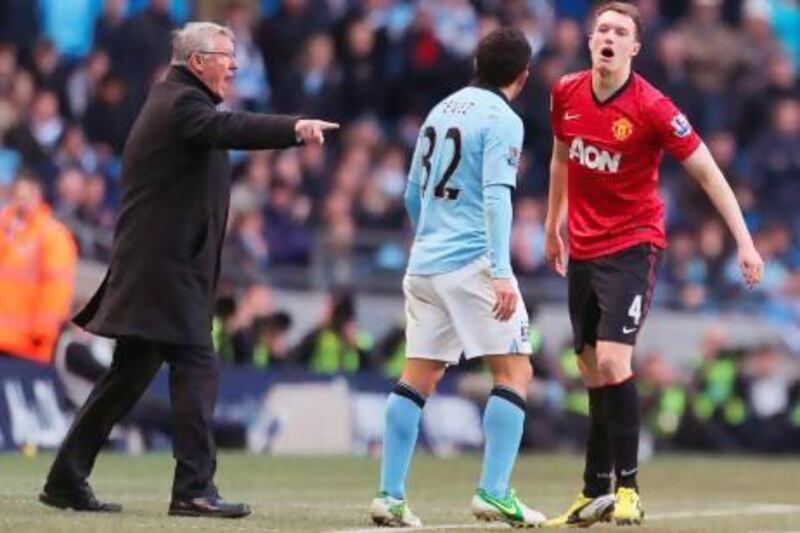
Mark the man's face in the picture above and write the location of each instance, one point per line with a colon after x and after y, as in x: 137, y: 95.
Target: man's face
x: 25, y: 196
x: 613, y: 42
x: 216, y: 65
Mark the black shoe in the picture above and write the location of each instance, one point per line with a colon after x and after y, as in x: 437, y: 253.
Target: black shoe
x: 78, y: 500
x: 212, y: 507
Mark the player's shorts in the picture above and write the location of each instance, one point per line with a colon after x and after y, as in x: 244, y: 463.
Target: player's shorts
x: 609, y: 296
x: 451, y: 313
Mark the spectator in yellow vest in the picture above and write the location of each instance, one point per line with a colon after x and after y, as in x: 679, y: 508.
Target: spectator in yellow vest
x: 336, y: 346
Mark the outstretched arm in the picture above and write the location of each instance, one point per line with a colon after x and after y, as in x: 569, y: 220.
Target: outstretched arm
x: 197, y: 121
x: 702, y: 167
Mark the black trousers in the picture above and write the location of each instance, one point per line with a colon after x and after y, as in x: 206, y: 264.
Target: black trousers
x: 193, y: 379
x: 153, y: 416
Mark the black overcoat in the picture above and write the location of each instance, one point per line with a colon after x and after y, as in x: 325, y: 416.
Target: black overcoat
x: 165, y: 260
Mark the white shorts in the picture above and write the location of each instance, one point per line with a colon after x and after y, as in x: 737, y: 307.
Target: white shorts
x: 447, y: 314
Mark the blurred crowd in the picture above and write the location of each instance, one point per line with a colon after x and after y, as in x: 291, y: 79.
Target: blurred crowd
x: 73, y: 74
x: 723, y: 398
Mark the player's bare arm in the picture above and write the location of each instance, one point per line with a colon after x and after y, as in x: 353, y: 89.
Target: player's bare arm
x: 702, y: 167
x: 555, y: 250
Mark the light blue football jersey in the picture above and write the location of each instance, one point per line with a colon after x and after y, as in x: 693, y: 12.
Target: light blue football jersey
x: 470, y: 140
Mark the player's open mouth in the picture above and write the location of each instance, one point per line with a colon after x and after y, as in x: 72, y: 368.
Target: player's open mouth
x: 607, y: 51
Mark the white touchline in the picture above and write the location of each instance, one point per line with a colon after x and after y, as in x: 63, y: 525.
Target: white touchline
x: 436, y: 527
x: 751, y: 509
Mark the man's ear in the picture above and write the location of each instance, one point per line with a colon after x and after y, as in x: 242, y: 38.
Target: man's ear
x: 525, y: 75
x: 522, y: 79
x: 196, y: 61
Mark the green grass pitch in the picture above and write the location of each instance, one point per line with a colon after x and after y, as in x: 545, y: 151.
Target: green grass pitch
x: 680, y: 493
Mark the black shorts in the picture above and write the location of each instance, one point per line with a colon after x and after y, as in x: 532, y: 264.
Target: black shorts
x: 609, y: 296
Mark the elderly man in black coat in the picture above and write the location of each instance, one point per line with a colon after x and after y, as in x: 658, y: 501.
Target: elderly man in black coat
x: 157, y: 297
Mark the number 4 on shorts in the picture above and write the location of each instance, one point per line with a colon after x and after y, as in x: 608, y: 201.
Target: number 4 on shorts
x: 635, y: 310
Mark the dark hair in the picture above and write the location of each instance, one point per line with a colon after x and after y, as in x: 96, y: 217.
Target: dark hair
x: 623, y: 8
x: 501, y: 57
x: 279, y: 322
x: 344, y: 308
x: 225, y: 307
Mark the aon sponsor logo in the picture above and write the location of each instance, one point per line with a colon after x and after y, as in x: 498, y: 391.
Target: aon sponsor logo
x: 592, y: 157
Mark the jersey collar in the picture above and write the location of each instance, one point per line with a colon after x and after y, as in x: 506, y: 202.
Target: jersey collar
x: 490, y: 88
x: 614, y: 95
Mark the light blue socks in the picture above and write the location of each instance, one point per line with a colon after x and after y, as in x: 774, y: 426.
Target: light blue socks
x: 503, y: 422
x: 403, y: 414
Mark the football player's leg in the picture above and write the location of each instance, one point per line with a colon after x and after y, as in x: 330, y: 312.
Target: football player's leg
x: 503, y: 420
x: 594, y: 503
x: 622, y: 397
x: 622, y: 402
x: 598, y: 464
x: 505, y: 347
x: 625, y: 291
x: 403, y: 415
x: 432, y: 344
x: 622, y: 408
x: 625, y: 285
x: 584, y: 308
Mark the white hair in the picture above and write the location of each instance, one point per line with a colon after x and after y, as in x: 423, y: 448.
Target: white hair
x: 195, y: 37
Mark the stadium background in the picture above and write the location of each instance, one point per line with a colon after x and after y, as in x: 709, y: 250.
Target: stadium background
x: 309, y: 309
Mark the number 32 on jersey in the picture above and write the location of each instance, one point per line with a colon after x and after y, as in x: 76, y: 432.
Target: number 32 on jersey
x: 441, y: 190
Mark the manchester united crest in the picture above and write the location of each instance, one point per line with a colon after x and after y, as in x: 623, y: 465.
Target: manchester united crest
x: 622, y: 129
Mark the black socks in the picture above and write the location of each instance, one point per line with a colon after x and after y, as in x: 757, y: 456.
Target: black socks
x: 622, y: 402
x: 613, y: 441
x: 599, y: 462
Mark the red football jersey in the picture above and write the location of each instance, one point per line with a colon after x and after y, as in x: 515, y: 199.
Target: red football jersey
x: 614, y: 151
